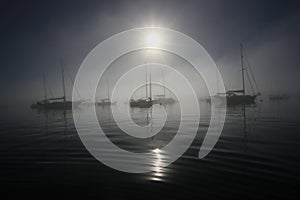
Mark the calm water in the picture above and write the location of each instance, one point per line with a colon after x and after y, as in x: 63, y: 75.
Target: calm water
x: 41, y: 151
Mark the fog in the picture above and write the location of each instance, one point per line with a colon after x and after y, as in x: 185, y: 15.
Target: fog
x: 36, y: 36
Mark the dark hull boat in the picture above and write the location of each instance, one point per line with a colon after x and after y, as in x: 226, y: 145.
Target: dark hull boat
x: 55, y: 103
x: 141, y: 103
x: 67, y: 105
x: 239, y: 97
x: 145, y: 102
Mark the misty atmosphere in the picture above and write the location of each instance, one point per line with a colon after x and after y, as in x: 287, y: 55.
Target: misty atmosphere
x: 37, y: 35
x: 163, y: 99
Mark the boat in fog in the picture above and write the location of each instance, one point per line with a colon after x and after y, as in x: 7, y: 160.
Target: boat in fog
x: 239, y: 97
x: 278, y: 96
x: 106, y: 101
x: 162, y: 99
x: 55, y: 102
x: 145, y: 102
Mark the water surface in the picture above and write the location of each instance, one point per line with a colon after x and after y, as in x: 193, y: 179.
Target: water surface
x: 41, y: 151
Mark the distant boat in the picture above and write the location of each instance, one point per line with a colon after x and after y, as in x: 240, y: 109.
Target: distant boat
x: 239, y: 97
x: 161, y: 99
x: 55, y: 103
x: 106, y: 101
x: 145, y: 102
x: 278, y: 96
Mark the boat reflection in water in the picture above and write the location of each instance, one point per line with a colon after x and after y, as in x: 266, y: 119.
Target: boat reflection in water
x: 151, y: 118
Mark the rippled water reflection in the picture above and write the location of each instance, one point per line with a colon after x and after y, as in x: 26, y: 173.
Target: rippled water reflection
x: 256, y: 159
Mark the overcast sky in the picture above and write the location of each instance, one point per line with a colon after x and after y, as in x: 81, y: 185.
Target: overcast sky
x: 35, y: 35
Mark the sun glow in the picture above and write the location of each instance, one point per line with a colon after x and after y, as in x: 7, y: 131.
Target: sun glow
x: 153, y: 39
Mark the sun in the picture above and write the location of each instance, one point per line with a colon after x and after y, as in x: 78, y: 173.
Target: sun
x: 153, y: 39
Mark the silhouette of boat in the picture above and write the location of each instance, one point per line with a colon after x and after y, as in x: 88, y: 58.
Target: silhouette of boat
x: 55, y: 103
x: 145, y: 102
x: 239, y: 97
x: 106, y: 101
x: 278, y: 96
x: 162, y: 99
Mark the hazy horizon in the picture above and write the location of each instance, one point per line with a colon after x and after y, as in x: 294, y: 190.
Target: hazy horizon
x: 36, y: 36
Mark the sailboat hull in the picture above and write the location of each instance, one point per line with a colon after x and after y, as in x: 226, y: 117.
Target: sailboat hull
x: 56, y: 105
x: 141, y: 104
x: 240, y: 99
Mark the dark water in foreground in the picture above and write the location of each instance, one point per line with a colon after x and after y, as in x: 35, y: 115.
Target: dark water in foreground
x: 42, y: 152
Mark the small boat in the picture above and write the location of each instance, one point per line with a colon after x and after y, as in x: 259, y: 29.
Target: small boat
x: 239, y: 97
x: 278, y: 96
x: 141, y: 103
x: 106, y: 101
x: 162, y: 99
x: 145, y: 102
x: 55, y: 103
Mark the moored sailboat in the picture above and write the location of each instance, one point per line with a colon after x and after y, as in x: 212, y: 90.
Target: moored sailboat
x: 145, y: 102
x: 239, y: 97
x: 162, y: 99
x: 106, y: 101
x: 57, y: 102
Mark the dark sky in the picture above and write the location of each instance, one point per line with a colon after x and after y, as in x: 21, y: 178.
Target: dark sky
x: 35, y: 35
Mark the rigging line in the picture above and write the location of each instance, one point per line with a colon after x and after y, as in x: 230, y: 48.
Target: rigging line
x: 255, y: 83
x: 50, y: 92
x: 252, y: 75
x: 47, y: 88
x: 74, y: 85
x: 250, y: 83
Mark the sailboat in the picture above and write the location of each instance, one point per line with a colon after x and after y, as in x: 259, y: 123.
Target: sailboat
x: 162, y: 99
x: 106, y: 101
x: 278, y: 96
x: 57, y: 102
x: 145, y: 102
x: 239, y: 97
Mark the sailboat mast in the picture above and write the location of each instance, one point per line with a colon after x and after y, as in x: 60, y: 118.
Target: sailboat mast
x: 107, y: 89
x: 217, y: 80
x: 146, y: 79
x: 150, y: 84
x: 63, y: 81
x: 163, y: 77
x: 242, y: 65
x: 45, y: 88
